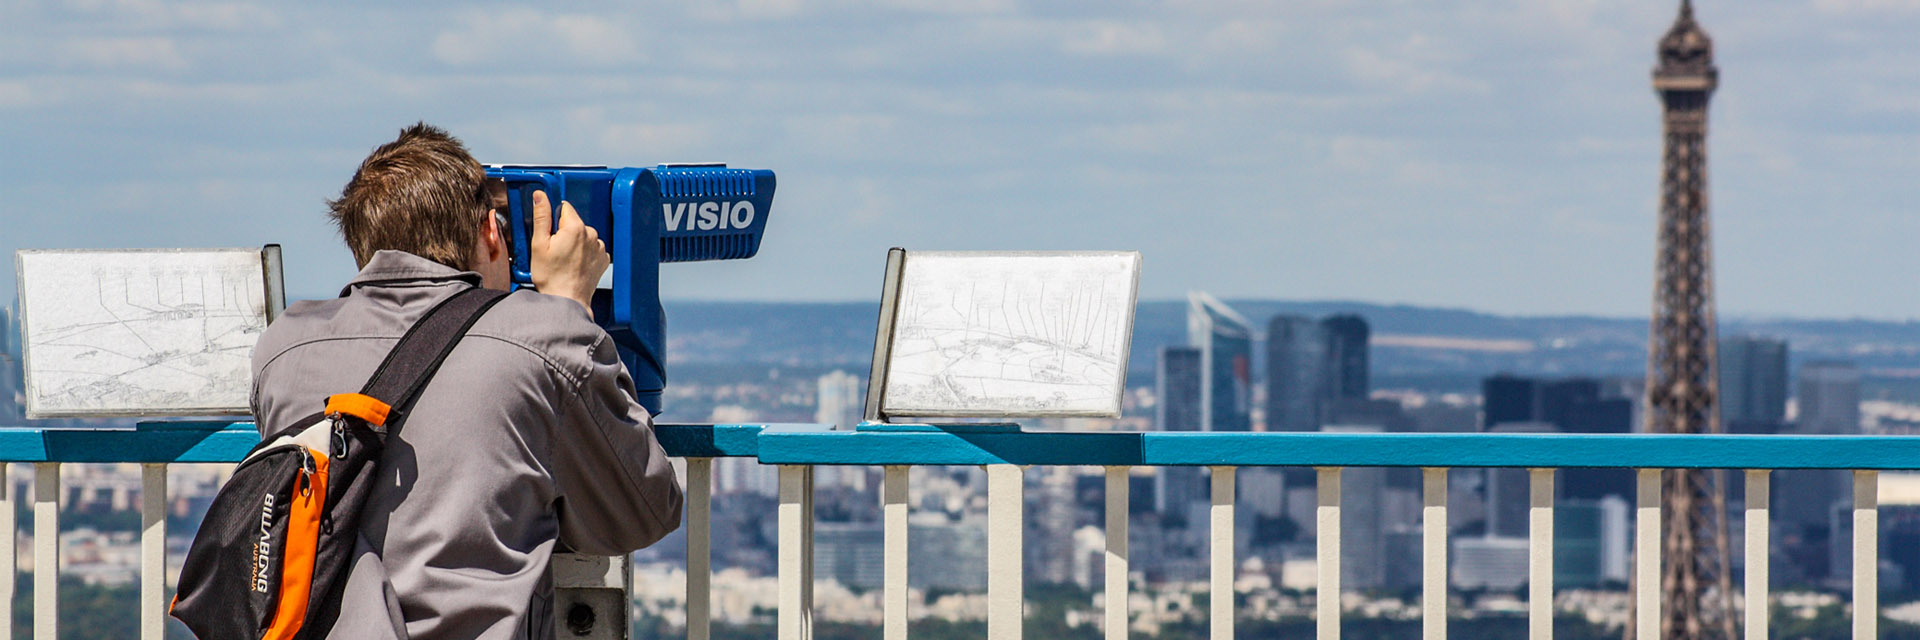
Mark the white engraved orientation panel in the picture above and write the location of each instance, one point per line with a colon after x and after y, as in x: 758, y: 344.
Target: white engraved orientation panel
x: 140, y: 332
x: 1011, y: 334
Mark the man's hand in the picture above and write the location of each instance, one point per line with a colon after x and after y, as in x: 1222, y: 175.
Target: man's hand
x: 566, y: 261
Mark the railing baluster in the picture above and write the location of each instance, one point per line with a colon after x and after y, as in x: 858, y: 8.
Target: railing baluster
x: 1758, y: 526
x: 699, y: 548
x: 1220, y: 600
x: 1327, y: 592
x: 1646, y: 556
x: 1433, y: 542
x: 153, y: 551
x: 1540, y: 555
x: 893, y: 514
x: 796, y: 616
x: 1006, y: 528
x: 1866, y: 554
x: 806, y: 549
x: 8, y: 560
x: 1118, y: 503
x: 46, y: 551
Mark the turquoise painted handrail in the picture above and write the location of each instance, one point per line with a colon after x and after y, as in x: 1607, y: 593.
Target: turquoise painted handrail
x: 169, y: 442
x: 1157, y: 448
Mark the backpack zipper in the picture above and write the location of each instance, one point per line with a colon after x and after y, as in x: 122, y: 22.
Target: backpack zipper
x: 339, y: 445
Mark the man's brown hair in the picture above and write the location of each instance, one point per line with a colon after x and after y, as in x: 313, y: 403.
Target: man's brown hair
x: 421, y: 193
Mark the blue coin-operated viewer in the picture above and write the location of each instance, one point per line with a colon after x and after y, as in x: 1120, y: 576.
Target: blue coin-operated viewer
x: 650, y: 215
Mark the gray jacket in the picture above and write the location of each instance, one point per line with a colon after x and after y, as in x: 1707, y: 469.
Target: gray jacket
x: 529, y: 433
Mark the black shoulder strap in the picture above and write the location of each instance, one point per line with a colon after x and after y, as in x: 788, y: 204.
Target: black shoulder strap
x: 419, y: 353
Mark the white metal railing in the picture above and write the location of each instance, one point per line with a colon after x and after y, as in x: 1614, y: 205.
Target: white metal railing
x: 1005, y: 613
x: 1540, y: 454
x: 1005, y: 457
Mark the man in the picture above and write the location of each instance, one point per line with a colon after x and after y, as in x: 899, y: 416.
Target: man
x: 528, y: 435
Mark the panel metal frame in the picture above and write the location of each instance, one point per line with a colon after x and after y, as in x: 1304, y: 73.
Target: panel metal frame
x: 877, y: 409
x: 275, y: 302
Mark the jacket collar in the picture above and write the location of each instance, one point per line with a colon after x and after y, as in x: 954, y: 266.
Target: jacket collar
x: 390, y: 267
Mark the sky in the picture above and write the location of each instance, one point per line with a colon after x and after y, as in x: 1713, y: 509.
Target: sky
x: 1498, y: 155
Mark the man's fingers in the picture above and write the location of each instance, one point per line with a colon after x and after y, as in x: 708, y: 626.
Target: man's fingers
x: 542, y: 218
x: 569, y: 217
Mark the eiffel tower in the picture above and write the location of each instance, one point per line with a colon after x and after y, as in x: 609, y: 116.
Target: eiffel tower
x: 1682, y: 382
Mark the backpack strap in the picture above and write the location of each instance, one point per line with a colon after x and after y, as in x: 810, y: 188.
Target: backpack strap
x: 414, y: 359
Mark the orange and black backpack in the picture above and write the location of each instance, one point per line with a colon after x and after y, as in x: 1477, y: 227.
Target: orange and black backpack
x: 272, y: 554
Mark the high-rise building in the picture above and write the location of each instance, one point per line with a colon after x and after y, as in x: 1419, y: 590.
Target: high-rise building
x: 961, y: 564
x: 1568, y: 405
x: 1563, y: 398
x: 1489, y: 563
x: 1506, y: 398
x: 10, y: 390
x: 1577, y: 529
x: 1753, y: 383
x: 1050, y: 525
x: 1347, y: 337
x: 1180, y: 407
x: 1177, y: 387
x: 1225, y: 341
x: 1509, y: 490
x: 744, y: 475
x: 1900, y: 541
x: 1590, y: 542
x: 1296, y: 374
x: 850, y: 553
x: 7, y: 332
x: 1572, y: 405
x: 1363, y: 525
x: 10, y: 371
x: 839, y: 402
x: 1829, y: 398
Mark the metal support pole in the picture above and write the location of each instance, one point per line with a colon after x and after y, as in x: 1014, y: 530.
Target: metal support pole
x: 1433, y: 543
x: 1327, y: 592
x: 699, y: 548
x: 1117, y: 504
x: 1220, y: 602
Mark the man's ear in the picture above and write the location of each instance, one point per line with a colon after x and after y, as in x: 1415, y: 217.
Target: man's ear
x: 495, y: 237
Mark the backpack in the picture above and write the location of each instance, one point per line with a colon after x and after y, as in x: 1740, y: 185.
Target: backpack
x: 271, y: 556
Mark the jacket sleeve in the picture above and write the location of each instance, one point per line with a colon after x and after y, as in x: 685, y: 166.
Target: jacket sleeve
x: 619, y: 492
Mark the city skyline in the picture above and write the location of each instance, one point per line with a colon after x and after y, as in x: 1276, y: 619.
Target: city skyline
x: 1482, y: 156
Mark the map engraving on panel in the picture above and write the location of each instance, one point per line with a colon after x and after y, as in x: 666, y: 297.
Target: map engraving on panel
x: 1011, y: 334
x: 121, y: 333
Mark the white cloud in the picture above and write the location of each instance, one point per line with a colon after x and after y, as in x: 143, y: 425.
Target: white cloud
x: 139, y: 52
x: 1244, y: 37
x: 1867, y: 6
x: 223, y: 15
x: 1109, y: 37
x: 947, y: 6
x: 1355, y: 153
x: 871, y: 202
x: 1416, y: 64
x: 831, y: 132
x: 625, y: 136
x: 17, y: 94
x: 1138, y: 137
x: 528, y: 34
x: 746, y: 10
x: 160, y: 14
